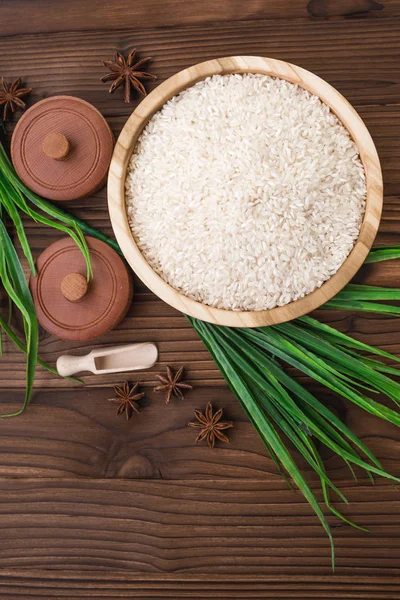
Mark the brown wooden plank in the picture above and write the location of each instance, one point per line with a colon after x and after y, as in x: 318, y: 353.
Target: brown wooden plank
x: 77, y: 434
x: 38, y: 17
x: 359, y: 57
x: 87, y: 439
x: 245, y: 527
x: 344, y: 8
x: 22, y: 584
x: 142, y: 14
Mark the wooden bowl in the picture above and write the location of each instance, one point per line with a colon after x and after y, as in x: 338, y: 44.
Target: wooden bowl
x: 245, y: 64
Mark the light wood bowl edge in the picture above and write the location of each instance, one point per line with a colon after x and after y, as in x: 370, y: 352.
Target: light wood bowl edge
x: 243, y: 64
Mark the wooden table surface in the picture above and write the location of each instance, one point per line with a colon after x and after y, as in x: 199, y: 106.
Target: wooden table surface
x: 92, y: 506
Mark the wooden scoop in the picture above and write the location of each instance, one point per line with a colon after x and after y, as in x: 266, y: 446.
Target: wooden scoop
x: 131, y: 357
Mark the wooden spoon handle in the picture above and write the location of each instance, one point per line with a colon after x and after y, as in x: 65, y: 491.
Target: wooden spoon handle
x: 69, y: 365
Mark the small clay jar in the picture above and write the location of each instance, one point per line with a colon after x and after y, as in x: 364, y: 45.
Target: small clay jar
x: 67, y: 304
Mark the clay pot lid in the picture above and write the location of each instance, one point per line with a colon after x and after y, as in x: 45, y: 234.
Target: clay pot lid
x: 66, y: 305
x: 62, y: 147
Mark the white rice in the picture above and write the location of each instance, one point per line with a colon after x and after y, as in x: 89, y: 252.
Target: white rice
x: 245, y: 192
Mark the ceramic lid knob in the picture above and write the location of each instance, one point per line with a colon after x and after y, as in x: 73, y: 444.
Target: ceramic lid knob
x: 55, y: 145
x: 74, y: 287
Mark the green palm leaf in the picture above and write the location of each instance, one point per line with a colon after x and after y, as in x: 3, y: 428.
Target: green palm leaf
x: 14, y: 282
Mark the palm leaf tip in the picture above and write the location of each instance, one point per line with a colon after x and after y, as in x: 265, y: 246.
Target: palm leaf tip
x: 273, y: 401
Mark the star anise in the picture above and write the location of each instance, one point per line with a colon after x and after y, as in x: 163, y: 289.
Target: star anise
x: 124, y: 70
x: 172, y: 384
x: 127, y: 397
x: 10, y: 96
x: 211, y: 425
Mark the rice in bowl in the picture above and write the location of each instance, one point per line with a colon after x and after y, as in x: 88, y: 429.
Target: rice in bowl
x: 245, y: 192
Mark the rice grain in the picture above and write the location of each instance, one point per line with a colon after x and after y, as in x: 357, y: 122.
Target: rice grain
x: 245, y: 192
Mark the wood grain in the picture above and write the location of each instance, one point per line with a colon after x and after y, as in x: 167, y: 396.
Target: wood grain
x: 77, y: 434
x: 78, y: 584
x: 249, y: 527
x: 124, y: 14
x: 329, y: 8
x: 358, y: 57
x: 136, y: 510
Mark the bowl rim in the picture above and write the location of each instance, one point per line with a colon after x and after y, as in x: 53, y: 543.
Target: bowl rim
x: 245, y: 64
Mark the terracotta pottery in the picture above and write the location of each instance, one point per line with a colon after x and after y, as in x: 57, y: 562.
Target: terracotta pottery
x: 61, y: 148
x: 67, y: 305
